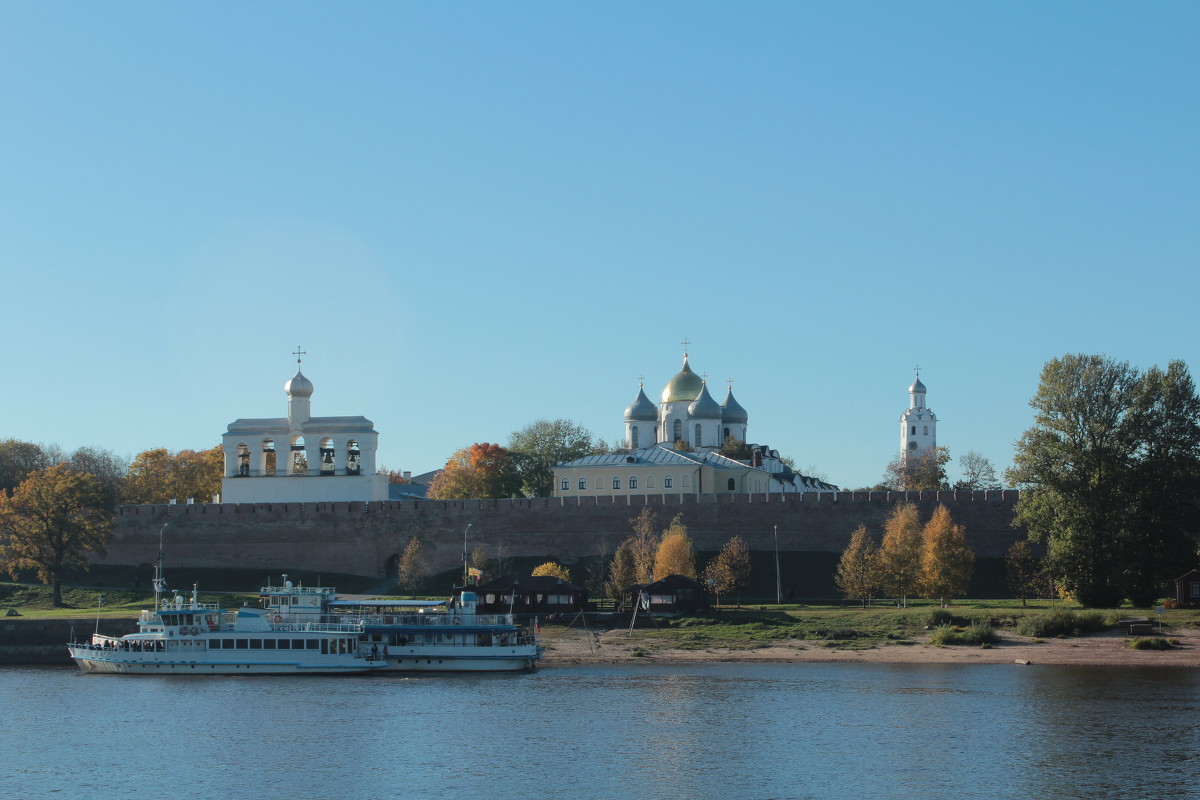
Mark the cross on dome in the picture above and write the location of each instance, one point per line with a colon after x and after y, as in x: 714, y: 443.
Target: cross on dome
x: 298, y: 352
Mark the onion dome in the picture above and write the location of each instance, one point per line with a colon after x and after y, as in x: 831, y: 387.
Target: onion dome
x: 732, y: 411
x: 298, y: 386
x: 641, y: 409
x: 704, y: 407
x: 917, y: 387
x: 686, y: 385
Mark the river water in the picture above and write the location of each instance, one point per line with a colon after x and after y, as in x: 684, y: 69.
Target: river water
x: 609, y: 732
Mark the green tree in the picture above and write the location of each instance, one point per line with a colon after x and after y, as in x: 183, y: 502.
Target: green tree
x: 413, y: 566
x: 482, y: 470
x: 734, y: 448
x: 553, y: 569
x: 900, y: 555
x: 50, y: 522
x: 858, y: 569
x: 479, y: 560
x: 541, y: 444
x: 947, y: 562
x: 926, y: 472
x: 1109, y: 476
x: 730, y: 571
x: 17, y: 460
x: 674, y: 555
x: 978, y: 474
x: 1023, y: 570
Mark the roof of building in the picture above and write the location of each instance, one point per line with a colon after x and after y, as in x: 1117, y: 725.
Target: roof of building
x: 641, y: 409
x: 280, y: 425
x: 917, y: 387
x: 527, y: 583
x: 732, y: 411
x: 660, y: 454
x: 685, y: 385
x: 704, y: 407
x: 299, y: 386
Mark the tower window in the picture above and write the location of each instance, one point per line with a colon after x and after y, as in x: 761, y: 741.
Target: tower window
x: 678, y: 431
x: 697, y: 439
x: 926, y: 430
x: 914, y: 430
x: 633, y: 437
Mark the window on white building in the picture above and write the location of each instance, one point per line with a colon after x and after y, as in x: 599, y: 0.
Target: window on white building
x: 697, y: 439
x: 687, y: 481
x: 649, y: 481
x: 616, y: 483
x: 667, y: 482
x: 678, y: 431
x: 566, y: 484
x: 632, y: 482
x: 583, y: 483
x: 633, y: 437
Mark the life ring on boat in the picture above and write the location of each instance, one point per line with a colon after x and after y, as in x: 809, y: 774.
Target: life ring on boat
x: 195, y: 631
x: 458, y: 620
x: 278, y: 618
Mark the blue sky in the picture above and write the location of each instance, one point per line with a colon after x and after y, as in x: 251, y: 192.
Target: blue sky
x: 473, y: 215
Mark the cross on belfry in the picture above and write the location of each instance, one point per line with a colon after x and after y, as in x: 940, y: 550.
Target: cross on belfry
x: 917, y: 368
x: 641, y: 380
x: 685, y: 344
x: 299, y: 353
x: 729, y: 382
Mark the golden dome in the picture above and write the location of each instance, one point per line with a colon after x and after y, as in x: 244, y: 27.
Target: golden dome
x: 686, y: 385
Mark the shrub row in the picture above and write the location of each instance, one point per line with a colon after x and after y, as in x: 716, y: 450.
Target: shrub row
x: 1062, y: 623
x: 979, y: 633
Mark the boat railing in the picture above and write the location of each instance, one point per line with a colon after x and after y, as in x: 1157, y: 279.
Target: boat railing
x: 171, y: 605
x: 429, y: 620
x: 289, y: 590
x: 317, y: 627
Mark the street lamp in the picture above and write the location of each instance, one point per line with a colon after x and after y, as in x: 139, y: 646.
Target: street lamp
x: 778, y: 582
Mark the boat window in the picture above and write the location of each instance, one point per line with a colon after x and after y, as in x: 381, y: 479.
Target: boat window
x: 285, y: 644
x: 268, y: 644
x: 256, y: 644
x: 314, y: 644
x: 243, y: 644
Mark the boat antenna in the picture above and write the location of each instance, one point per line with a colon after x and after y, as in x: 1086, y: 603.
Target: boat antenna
x: 99, y: 602
x: 160, y: 584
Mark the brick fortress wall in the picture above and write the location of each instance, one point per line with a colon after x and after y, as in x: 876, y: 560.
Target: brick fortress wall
x: 363, y: 538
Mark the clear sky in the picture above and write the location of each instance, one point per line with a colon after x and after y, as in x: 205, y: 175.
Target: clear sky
x: 473, y: 215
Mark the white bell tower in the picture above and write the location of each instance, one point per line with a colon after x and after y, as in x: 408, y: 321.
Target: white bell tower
x: 918, y: 425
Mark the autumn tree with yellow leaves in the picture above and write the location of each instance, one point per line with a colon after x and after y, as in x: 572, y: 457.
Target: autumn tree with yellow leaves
x: 947, y: 562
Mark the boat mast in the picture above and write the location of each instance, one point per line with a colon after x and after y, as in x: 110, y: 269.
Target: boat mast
x: 160, y: 585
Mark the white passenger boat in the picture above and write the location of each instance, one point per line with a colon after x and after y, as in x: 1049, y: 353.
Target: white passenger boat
x: 194, y: 638
x: 413, y: 635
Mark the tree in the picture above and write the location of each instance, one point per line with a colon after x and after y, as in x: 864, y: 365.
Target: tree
x: 479, y: 560
x: 858, y: 568
x: 159, y: 476
x: 108, y: 468
x: 674, y: 555
x: 922, y: 473
x: 1110, y: 476
x: 482, y: 470
x: 540, y: 445
x: 946, y: 560
x: 51, y: 520
x: 17, y: 460
x: 730, y: 571
x: 900, y: 555
x: 1023, y: 569
x: 977, y: 473
x: 736, y: 449
x: 623, y: 572
x: 644, y: 545
x: 413, y: 565
x: 554, y: 569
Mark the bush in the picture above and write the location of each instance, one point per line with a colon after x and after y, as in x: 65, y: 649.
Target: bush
x: 936, y: 617
x: 1152, y: 643
x: 1062, y: 623
x: 979, y: 633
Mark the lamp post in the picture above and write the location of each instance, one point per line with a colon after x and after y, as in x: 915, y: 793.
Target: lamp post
x: 778, y: 582
x: 465, y: 532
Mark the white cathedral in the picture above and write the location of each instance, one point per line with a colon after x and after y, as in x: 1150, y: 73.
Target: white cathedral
x: 301, y: 458
x: 673, y: 448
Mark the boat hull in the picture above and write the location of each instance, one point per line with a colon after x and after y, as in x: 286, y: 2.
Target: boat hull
x: 119, y: 663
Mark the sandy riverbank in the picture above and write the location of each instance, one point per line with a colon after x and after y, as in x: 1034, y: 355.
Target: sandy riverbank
x: 576, y: 647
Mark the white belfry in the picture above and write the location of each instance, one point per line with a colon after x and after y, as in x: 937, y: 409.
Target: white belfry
x: 918, y: 425
x: 301, y: 458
